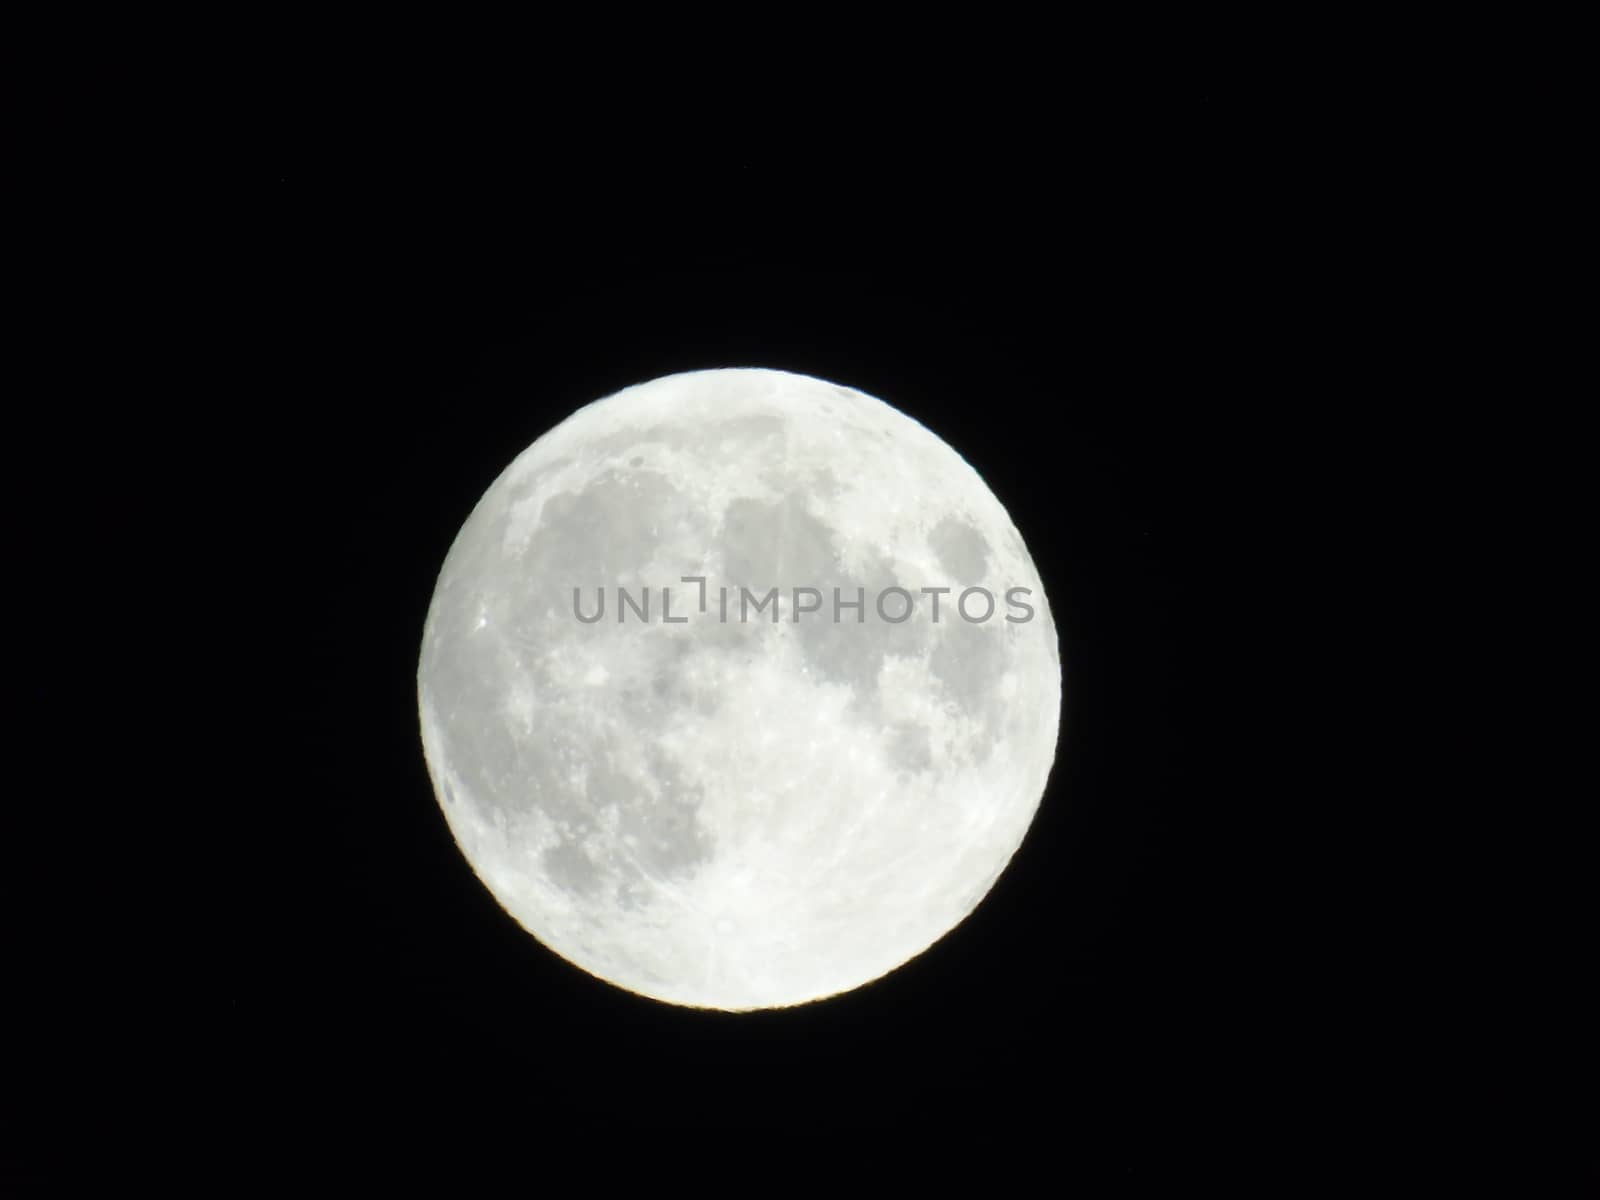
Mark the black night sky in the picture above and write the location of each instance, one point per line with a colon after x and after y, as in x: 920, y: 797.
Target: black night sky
x: 1097, y: 342
x: 1092, y: 298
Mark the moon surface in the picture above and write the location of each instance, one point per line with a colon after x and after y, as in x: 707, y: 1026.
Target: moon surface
x: 706, y: 800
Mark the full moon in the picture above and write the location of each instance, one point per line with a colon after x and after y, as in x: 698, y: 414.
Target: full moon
x: 739, y: 689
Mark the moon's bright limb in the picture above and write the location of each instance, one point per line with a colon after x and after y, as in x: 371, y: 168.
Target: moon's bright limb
x: 729, y: 813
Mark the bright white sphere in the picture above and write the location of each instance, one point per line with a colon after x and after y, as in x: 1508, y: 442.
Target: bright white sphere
x: 726, y: 813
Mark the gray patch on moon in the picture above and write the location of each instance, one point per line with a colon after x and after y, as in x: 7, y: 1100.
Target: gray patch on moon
x: 969, y: 661
x: 775, y: 544
x: 747, y: 431
x: 547, y: 776
x: 665, y: 688
x: 852, y: 652
x: 656, y: 828
x: 613, y: 825
x: 488, y: 754
x: 570, y: 869
x: 961, y: 550
x: 601, y: 534
x: 780, y: 544
x: 909, y: 747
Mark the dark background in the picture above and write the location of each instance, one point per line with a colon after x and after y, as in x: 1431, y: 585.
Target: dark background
x: 1101, y: 344
x: 1097, y: 297
x: 1091, y: 317
x: 1218, y: 336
